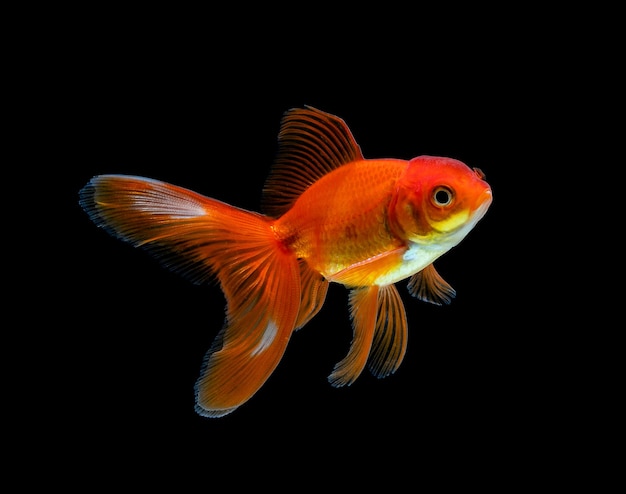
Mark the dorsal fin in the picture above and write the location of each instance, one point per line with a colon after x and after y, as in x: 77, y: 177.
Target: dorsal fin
x: 311, y: 143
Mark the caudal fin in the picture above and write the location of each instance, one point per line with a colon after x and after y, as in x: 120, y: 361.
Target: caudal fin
x: 202, y: 238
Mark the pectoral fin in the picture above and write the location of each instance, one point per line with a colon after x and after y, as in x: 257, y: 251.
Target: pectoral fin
x: 366, y: 273
x: 428, y: 286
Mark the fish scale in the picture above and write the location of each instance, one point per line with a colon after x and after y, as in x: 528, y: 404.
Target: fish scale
x: 352, y: 223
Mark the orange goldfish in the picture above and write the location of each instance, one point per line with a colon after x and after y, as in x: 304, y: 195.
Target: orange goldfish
x: 329, y: 215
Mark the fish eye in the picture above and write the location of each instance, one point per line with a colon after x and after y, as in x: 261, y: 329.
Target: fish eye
x: 442, y: 196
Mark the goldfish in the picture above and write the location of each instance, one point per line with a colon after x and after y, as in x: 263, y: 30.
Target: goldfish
x: 329, y: 215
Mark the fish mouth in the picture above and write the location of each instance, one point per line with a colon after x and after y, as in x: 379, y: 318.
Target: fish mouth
x: 482, y: 203
x: 485, y: 198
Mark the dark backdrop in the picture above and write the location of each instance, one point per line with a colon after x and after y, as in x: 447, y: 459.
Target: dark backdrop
x: 202, y: 110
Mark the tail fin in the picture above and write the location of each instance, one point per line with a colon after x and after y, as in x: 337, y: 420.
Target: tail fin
x: 202, y: 238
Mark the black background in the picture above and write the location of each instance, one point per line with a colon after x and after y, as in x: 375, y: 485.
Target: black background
x: 198, y: 103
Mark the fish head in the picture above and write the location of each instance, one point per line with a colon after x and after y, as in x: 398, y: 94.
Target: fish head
x: 439, y: 200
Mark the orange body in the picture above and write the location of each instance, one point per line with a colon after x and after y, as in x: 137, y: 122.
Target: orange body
x: 330, y: 215
x: 342, y: 218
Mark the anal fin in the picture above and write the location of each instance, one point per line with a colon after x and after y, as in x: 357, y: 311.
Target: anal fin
x: 314, y: 289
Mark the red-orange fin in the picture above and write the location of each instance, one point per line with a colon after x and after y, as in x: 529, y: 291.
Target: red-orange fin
x: 262, y: 309
x: 391, y: 334
x: 311, y: 143
x: 363, y: 309
x: 366, y: 272
x: 428, y: 286
x: 182, y: 229
x: 314, y: 289
x: 202, y: 238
